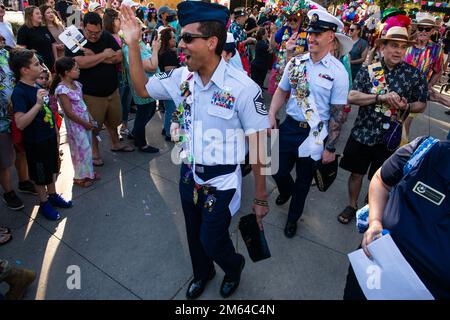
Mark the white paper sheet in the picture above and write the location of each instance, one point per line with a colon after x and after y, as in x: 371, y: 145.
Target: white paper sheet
x: 388, y: 276
x: 72, y: 38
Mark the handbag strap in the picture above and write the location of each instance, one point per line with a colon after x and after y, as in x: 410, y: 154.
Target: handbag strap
x: 405, y: 113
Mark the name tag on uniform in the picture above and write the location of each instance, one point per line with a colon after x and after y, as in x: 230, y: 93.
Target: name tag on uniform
x: 428, y: 193
x: 223, y: 98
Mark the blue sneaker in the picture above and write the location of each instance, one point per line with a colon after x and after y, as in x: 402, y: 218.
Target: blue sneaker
x: 48, y: 211
x: 57, y: 201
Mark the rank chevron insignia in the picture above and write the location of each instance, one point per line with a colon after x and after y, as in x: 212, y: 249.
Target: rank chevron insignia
x: 259, y: 104
x: 164, y: 75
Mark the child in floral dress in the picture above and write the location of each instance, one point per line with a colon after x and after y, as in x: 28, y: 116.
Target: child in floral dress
x: 79, y: 123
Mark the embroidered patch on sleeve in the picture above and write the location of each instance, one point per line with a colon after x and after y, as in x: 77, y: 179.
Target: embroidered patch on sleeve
x: 260, y: 105
x: 164, y: 75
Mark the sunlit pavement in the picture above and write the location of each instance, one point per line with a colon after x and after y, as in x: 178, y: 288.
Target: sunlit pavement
x: 125, y: 236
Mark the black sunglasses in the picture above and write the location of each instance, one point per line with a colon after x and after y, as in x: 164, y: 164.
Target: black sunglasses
x: 189, y: 37
x: 427, y: 29
x: 292, y: 19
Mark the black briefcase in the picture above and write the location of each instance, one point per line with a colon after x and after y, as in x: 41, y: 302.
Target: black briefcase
x: 254, y: 238
x: 325, y: 174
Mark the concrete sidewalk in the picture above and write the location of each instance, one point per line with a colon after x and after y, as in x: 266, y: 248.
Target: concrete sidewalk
x: 126, y: 233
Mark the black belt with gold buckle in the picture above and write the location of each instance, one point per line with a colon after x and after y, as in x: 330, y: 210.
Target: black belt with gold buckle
x: 300, y: 124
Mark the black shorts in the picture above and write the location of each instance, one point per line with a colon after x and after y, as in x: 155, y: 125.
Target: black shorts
x: 358, y: 158
x: 42, y: 158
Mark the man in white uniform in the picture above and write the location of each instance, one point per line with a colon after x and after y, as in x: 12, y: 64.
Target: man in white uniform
x: 218, y: 108
x: 318, y: 84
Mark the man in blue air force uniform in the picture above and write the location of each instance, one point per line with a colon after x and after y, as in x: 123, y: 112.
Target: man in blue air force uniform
x: 218, y: 107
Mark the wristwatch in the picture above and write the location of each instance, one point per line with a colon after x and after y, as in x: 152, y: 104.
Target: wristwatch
x: 331, y: 149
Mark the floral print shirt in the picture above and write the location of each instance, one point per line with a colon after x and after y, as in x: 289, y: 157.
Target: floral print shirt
x: 405, y: 80
x: 239, y: 36
x: 428, y: 60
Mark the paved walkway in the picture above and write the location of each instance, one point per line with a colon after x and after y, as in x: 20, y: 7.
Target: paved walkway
x: 126, y: 233
x: 127, y: 236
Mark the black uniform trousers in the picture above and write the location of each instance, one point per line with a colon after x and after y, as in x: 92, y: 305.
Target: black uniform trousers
x: 207, y: 225
x: 292, y: 136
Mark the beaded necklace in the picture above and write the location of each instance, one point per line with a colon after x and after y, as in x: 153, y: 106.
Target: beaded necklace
x: 380, y: 86
x: 183, y: 116
x: 48, y: 114
x: 298, y: 79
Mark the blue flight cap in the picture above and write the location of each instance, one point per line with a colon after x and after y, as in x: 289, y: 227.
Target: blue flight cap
x: 199, y: 11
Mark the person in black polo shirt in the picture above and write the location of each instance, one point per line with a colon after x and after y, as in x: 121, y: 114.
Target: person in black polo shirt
x: 33, y: 36
x: 97, y: 62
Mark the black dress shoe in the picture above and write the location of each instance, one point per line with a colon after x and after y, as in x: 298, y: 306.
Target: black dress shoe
x: 290, y: 229
x: 196, y: 287
x: 149, y: 149
x: 282, y: 200
x: 229, y: 285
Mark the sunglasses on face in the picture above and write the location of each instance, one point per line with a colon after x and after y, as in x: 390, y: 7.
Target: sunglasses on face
x: 427, y: 29
x: 189, y: 37
x: 292, y: 20
x: 352, y: 29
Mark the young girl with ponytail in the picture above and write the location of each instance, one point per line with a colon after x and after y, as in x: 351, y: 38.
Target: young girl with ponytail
x: 79, y: 123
